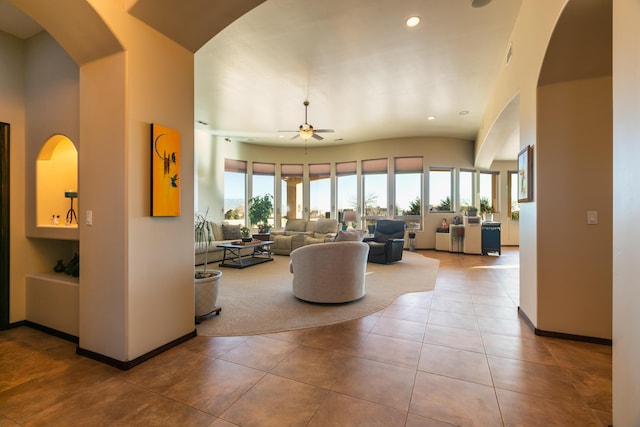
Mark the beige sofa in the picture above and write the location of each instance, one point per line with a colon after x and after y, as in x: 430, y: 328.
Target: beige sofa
x: 330, y: 272
x: 220, y: 231
x: 298, y: 233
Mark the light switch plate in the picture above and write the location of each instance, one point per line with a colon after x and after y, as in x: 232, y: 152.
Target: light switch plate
x: 88, y: 217
x: 592, y: 217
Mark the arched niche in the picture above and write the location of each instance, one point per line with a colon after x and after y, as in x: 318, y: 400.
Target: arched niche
x: 56, y: 175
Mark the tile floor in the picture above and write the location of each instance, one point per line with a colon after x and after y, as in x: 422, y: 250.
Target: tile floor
x: 459, y: 355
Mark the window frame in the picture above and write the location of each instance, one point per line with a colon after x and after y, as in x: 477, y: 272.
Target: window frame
x: 451, y: 189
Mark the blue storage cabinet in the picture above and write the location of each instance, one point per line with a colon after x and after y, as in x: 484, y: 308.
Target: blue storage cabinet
x: 490, y: 237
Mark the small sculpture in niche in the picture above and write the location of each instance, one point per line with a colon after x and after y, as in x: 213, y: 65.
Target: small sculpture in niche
x: 55, y: 219
x: 59, y: 267
x: 73, y: 268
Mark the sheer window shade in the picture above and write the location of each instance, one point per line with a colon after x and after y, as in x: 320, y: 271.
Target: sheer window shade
x: 320, y: 170
x: 291, y: 171
x: 231, y: 165
x: 408, y: 164
x: 346, y: 168
x: 374, y: 166
x: 264, y: 168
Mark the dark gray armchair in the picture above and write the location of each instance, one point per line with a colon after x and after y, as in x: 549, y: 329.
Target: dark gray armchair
x: 385, y: 247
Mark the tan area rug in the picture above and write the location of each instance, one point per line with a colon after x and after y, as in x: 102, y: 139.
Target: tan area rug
x: 258, y: 299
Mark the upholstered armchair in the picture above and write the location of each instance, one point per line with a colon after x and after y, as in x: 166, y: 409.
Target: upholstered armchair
x: 385, y: 247
x: 329, y: 272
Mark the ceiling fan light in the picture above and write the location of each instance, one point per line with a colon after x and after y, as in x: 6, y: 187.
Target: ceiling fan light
x: 306, y: 131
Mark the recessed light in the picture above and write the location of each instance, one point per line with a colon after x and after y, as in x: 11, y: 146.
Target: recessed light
x: 431, y: 118
x: 463, y: 112
x: 479, y: 3
x: 413, y: 21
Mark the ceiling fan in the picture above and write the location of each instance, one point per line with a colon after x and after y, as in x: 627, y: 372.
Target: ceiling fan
x: 306, y: 131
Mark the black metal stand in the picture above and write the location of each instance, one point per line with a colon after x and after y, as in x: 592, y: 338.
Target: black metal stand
x: 71, y: 214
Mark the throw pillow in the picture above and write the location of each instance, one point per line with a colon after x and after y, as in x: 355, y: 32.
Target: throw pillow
x: 350, y: 236
x: 231, y: 232
x: 217, y: 230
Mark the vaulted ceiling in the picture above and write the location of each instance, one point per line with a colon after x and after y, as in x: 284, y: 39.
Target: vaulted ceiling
x: 365, y: 73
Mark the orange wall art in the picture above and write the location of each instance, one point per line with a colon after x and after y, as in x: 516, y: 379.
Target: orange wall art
x: 165, y: 171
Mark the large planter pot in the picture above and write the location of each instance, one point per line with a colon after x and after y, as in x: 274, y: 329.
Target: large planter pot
x: 206, y: 294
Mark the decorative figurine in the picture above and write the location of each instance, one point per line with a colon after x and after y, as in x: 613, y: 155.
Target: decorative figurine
x: 444, y: 224
x: 59, y: 267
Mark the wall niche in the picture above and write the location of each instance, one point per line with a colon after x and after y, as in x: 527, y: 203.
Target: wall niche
x: 56, y: 180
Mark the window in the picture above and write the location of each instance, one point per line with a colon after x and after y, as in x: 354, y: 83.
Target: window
x: 263, y: 181
x: 235, y: 178
x: 291, y: 177
x: 465, y: 188
x: 408, y: 191
x: 319, y: 191
x: 441, y: 190
x: 488, y: 191
x: 347, y: 188
x: 514, y: 206
x: 374, y: 190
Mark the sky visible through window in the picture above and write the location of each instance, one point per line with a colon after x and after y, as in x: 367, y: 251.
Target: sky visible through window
x: 407, y: 188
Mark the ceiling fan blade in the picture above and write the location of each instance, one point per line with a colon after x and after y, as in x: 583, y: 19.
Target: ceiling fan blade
x: 288, y: 131
x: 318, y: 137
x: 295, y: 136
x: 324, y: 130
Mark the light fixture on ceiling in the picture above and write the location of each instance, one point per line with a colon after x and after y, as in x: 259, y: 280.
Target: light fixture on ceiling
x: 306, y: 131
x: 479, y: 3
x: 431, y: 118
x: 412, y: 21
x: 463, y: 112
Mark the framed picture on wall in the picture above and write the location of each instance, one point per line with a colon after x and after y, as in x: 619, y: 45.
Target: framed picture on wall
x: 165, y: 171
x: 525, y: 174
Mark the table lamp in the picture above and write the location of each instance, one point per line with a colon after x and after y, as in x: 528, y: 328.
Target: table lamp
x: 350, y: 217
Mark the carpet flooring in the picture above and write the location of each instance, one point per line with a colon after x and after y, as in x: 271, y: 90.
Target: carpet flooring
x: 259, y: 300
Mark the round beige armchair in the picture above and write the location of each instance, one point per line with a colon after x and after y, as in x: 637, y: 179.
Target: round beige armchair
x: 329, y: 272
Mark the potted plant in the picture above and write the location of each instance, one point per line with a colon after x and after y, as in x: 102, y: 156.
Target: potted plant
x: 246, y: 234
x: 469, y: 210
x: 260, y: 210
x: 486, y: 209
x: 206, y: 282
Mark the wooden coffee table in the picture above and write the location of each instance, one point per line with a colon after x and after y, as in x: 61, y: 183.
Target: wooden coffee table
x: 235, y: 259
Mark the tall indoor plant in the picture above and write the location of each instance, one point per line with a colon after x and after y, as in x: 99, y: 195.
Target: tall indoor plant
x: 260, y: 209
x: 206, y: 282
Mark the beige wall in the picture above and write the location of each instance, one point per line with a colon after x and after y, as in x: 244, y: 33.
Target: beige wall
x: 574, y: 151
x: 35, y: 255
x: 626, y: 175
x: 12, y: 111
x: 131, y: 300
x: 531, y: 35
x: 121, y: 95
